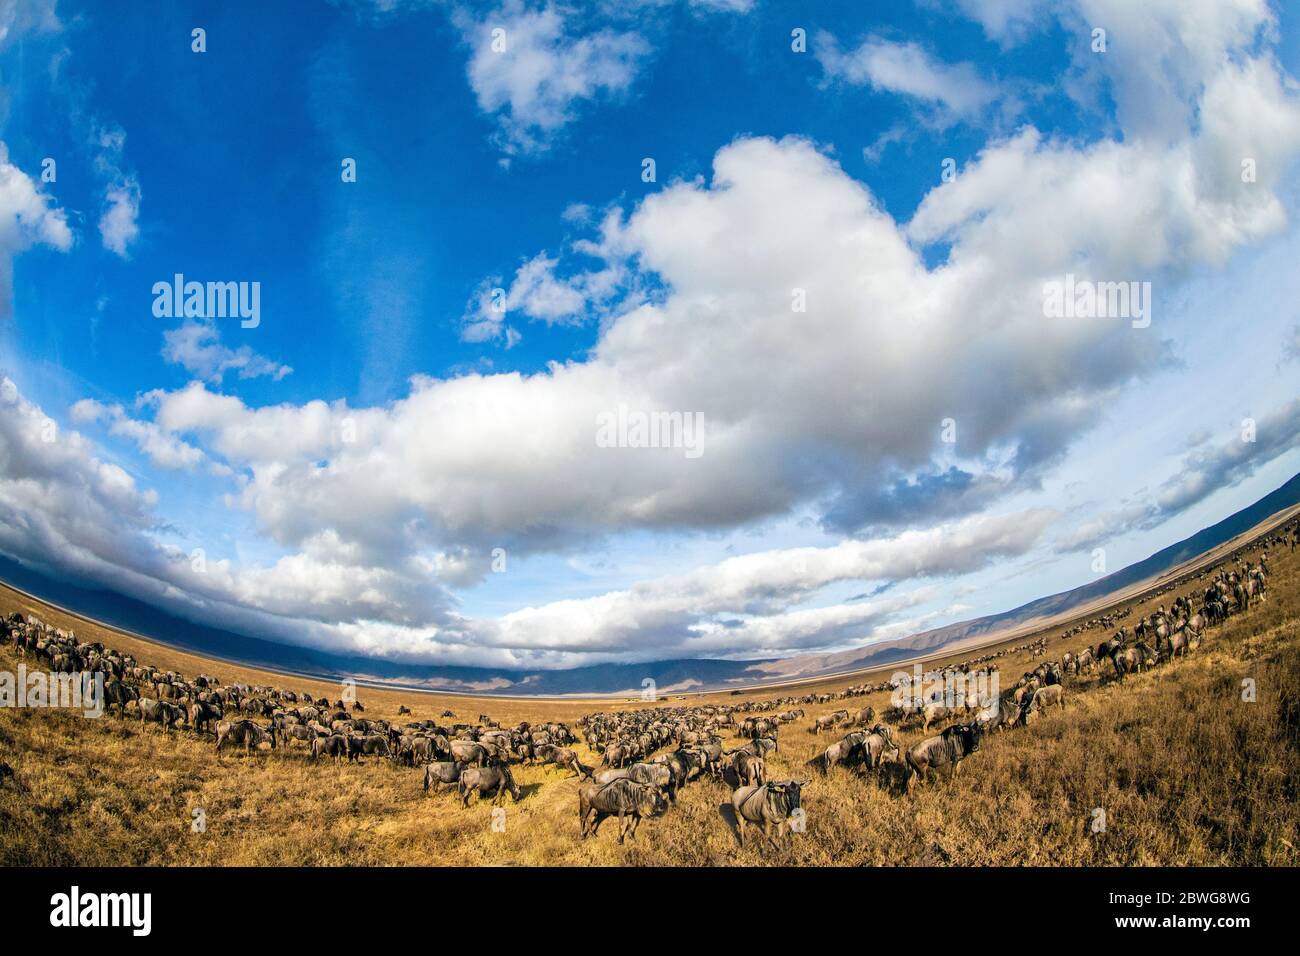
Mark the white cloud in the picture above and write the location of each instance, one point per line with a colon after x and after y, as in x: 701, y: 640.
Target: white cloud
x: 118, y: 226
x: 907, y: 69
x: 536, y: 73
x: 196, y: 347
x: 163, y: 449
x: 27, y: 217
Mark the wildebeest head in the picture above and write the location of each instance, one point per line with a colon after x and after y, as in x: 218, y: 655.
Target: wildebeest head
x: 653, y: 802
x: 790, y: 791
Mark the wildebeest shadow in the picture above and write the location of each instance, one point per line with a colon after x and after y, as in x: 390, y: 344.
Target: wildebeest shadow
x: 527, y: 790
x: 728, y: 814
x: 890, y: 777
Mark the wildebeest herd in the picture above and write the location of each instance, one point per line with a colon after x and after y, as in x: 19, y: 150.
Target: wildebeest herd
x: 644, y: 757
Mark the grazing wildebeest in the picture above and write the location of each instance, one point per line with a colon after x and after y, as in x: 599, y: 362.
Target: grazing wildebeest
x: 759, y: 747
x: 203, y: 714
x: 160, y: 712
x: 115, y: 692
x: 879, y: 747
x: 1050, y: 696
x: 767, y: 806
x: 847, y: 750
x: 620, y: 798
x: 933, y: 712
x: 495, y: 781
x: 335, y: 745
x: 442, y: 772
x: 651, y: 774
x: 290, y: 732
x: 469, y: 752
x: 244, y: 732
x: 943, y: 752
x: 372, y: 745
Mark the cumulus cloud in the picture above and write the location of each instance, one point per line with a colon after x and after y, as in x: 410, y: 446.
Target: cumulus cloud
x: 530, y: 69
x: 28, y: 217
x: 61, y: 506
x: 892, y: 346
x: 907, y: 69
x: 196, y: 347
x: 163, y: 449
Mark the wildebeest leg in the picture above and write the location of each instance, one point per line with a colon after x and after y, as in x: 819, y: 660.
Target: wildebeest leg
x: 767, y: 832
x: 740, y: 828
x: 622, y: 826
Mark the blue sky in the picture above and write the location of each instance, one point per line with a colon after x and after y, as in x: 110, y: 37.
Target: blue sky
x: 350, y: 467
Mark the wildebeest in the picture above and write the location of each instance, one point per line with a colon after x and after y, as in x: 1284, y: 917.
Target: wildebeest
x: 621, y: 798
x: 879, y: 746
x: 750, y: 769
x: 372, y: 745
x: 203, y: 714
x: 562, y: 757
x: 116, y: 692
x: 244, y: 732
x: 334, y: 745
x: 943, y: 752
x: 494, y: 782
x: 442, y: 772
x: 469, y: 752
x: 845, y: 751
x: 160, y: 712
x: 1050, y: 696
x: 767, y: 806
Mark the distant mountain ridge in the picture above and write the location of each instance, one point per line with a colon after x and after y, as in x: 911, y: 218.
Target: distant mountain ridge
x: 670, y: 676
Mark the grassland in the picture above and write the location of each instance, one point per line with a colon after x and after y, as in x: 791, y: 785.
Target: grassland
x: 1186, y: 771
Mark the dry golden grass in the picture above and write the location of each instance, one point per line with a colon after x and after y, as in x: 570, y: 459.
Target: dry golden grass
x: 1187, y: 772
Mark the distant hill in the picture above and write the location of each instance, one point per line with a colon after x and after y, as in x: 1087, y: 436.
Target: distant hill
x: 669, y: 676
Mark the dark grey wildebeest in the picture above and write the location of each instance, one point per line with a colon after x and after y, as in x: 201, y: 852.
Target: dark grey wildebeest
x: 245, y: 733
x: 944, y: 752
x: 119, y: 694
x: 767, y: 806
x: 442, y: 773
x: 750, y: 769
x: 203, y: 714
x: 625, y: 799
x: 493, y: 782
x: 562, y: 757
x: 879, y: 747
x: 333, y: 745
x: 374, y: 745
